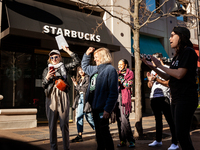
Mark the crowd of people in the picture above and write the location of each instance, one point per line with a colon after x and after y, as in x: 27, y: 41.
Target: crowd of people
x: 102, y: 90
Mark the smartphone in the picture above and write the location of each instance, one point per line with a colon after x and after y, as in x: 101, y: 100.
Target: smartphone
x: 51, y: 67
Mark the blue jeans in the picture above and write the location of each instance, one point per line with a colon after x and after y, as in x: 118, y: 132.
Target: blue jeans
x: 80, y: 115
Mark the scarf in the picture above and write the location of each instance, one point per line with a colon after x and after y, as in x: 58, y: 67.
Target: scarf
x: 126, y: 92
x: 62, y: 69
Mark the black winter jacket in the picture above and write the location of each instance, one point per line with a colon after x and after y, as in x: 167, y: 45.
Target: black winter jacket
x: 83, y: 88
x: 48, y: 84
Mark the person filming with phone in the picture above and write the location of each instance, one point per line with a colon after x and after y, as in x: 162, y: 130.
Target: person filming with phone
x: 54, y: 82
x: 160, y: 104
x: 182, y: 82
x: 102, y: 93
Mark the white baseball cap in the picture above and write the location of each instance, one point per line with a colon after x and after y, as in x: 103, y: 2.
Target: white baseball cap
x: 54, y: 51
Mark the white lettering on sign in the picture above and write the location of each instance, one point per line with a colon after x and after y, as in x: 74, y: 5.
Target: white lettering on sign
x: 80, y: 35
x: 71, y: 33
x: 87, y: 36
x: 46, y: 29
x: 66, y: 33
x: 98, y: 38
x: 59, y: 31
x: 92, y: 37
x: 53, y: 29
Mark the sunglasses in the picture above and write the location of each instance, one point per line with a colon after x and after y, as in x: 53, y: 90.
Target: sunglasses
x: 56, y: 57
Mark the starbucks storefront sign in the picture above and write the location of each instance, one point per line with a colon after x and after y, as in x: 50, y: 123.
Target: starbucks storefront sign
x: 71, y: 33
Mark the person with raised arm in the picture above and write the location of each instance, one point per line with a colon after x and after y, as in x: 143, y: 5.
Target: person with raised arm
x: 102, y: 93
x: 57, y: 100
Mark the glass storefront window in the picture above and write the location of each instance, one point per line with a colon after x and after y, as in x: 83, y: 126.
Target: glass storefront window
x: 39, y: 96
x: 16, y: 79
x: 21, y: 81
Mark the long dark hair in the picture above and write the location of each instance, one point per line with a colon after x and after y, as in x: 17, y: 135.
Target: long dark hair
x: 125, y: 62
x: 184, y: 38
x: 78, y: 76
x: 182, y: 43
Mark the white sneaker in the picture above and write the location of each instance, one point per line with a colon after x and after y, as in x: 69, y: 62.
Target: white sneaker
x: 155, y: 143
x: 173, y: 147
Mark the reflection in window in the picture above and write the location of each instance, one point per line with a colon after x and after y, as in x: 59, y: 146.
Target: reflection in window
x: 152, y: 5
x: 180, y: 18
x: 16, y: 79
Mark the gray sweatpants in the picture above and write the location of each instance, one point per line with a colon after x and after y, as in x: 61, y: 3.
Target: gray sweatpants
x: 57, y: 105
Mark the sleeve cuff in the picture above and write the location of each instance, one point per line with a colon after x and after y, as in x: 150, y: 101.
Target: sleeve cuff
x: 73, y: 55
x: 46, y: 81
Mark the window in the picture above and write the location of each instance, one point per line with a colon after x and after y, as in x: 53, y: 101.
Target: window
x: 16, y: 79
x: 180, y: 18
x: 21, y: 81
x: 152, y: 5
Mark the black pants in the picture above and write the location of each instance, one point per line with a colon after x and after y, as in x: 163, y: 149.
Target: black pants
x: 183, y: 114
x: 103, y: 136
x: 161, y: 105
x: 124, y: 127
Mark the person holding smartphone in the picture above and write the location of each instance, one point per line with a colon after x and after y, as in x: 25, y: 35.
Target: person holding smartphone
x: 182, y: 82
x: 160, y: 104
x: 102, y: 93
x: 57, y: 101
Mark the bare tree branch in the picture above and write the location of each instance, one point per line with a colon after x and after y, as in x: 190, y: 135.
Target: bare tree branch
x: 115, y: 6
x: 151, y: 14
x: 97, y: 5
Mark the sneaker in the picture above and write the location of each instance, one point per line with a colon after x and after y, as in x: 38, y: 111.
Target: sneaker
x: 155, y: 143
x: 131, y: 145
x: 121, y: 144
x: 78, y: 139
x: 173, y: 147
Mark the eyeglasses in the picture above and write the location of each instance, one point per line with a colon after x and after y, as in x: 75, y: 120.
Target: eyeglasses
x: 56, y: 57
x: 172, y: 35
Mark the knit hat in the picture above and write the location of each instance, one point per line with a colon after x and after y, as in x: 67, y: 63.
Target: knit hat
x: 54, y: 51
x: 183, y: 32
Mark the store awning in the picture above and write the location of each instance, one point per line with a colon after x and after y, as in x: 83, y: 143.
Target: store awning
x: 33, y: 19
x: 150, y: 45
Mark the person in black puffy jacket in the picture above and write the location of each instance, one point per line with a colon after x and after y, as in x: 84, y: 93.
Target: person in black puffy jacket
x: 57, y: 101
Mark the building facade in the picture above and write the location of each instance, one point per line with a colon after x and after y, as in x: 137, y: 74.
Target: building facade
x: 28, y: 30
x: 154, y: 37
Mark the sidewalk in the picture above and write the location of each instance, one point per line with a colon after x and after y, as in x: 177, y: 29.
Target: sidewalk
x: 38, y: 138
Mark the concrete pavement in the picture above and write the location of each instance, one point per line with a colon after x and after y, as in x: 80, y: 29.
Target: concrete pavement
x: 38, y: 138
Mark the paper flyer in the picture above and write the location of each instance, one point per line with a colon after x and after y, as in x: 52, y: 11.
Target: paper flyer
x: 61, y: 41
